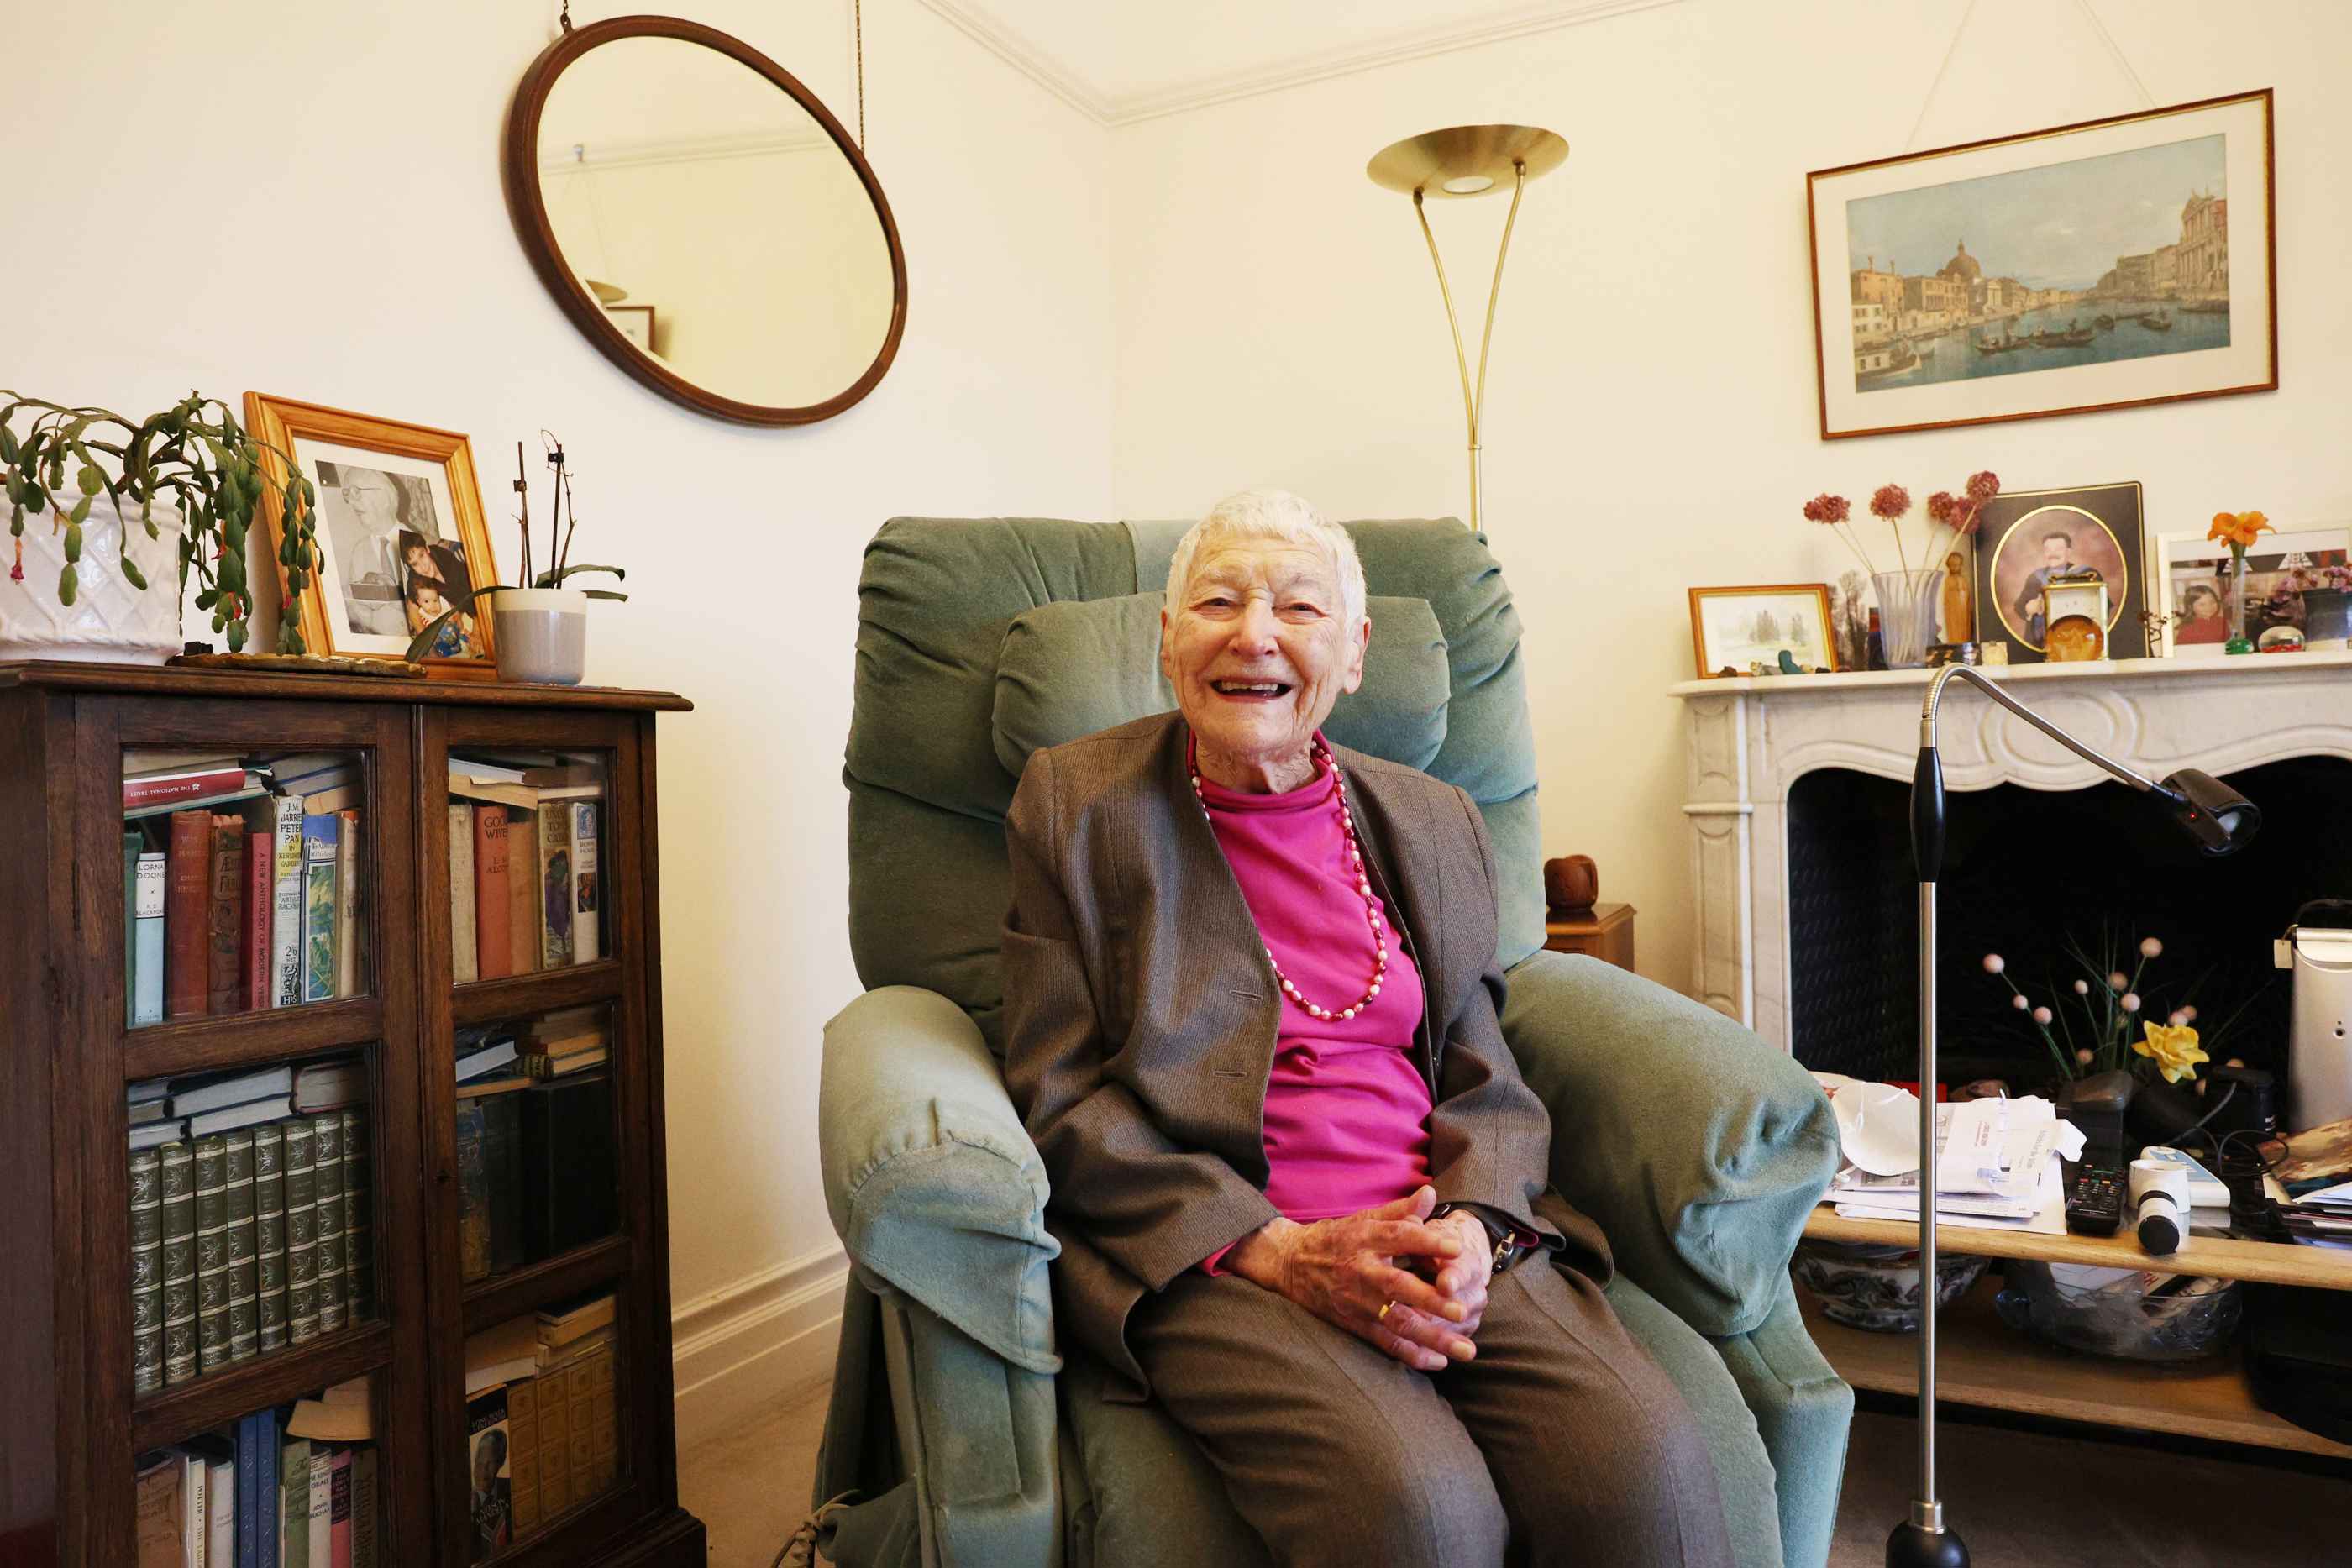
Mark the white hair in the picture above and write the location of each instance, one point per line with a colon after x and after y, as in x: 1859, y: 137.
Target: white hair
x: 1271, y: 515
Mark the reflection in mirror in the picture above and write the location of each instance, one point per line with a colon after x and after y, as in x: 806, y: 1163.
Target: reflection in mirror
x: 727, y: 236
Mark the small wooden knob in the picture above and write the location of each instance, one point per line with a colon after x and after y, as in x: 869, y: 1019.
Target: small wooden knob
x: 1571, y: 884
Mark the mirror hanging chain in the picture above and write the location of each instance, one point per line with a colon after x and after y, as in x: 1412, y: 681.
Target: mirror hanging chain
x: 857, y: 14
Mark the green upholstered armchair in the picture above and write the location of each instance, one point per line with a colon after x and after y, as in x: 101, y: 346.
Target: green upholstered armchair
x: 964, y: 1431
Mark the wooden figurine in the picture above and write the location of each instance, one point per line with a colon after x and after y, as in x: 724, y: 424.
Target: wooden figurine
x: 1959, y: 618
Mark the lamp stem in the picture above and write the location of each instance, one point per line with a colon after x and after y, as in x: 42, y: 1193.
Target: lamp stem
x: 1927, y: 1512
x: 1461, y: 359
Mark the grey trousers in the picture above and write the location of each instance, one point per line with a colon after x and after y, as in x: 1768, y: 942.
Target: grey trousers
x: 1562, y: 1442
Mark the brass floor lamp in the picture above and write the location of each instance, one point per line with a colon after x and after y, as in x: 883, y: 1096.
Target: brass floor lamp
x: 1459, y: 161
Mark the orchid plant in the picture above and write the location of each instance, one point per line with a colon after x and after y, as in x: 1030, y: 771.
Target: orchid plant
x: 1950, y: 516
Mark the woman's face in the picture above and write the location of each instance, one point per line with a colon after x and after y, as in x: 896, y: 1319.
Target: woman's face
x: 1258, y: 651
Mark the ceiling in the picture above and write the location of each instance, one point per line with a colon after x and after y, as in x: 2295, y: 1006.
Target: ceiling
x: 1125, y: 62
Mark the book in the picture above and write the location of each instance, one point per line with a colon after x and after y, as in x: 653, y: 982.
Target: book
x: 195, y: 1506
x: 319, y: 873
x: 322, y: 1506
x: 147, y: 939
x: 286, y: 900
x: 501, y: 1354
x: 270, y: 1232
x: 330, y: 1085
x: 156, y: 1511
x: 250, y: 1464
x: 308, y: 772
x: 359, y: 1214
x: 339, y: 1528
x: 539, y: 1066
x: 177, y: 1180
x: 486, y: 1445
x: 255, y: 954
x: 302, y: 1233
x: 473, y: 1194
x: 522, y: 903
x: 476, y: 1088
x: 522, y: 1453
x: 502, y: 1173
x: 567, y: 1323
x: 348, y: 929
x: 294, y: 1505
x: 211, y: 1091
x: 555, y: 884
x: 228, y: 1118
x: 464, y: 957
x: 482, y: 1059
x: 332, y: 802
x: 334, y: 1275
x: 146, y: 1111
x: 187, y: 975
x: 244, y: 1287
x: 364, y: 1523
x: 265, y: 1502
x: 224, y: 934
x: 584, y: 932
x: 212, y: 1253
x: 571, y: 1188
x: 155, y: 1135
x: 220, y: 1501
x: 146, y: 1271
x: 333, y: 1419
x: 493, y: 899
x: 133, y: 841
x: 171, y: 789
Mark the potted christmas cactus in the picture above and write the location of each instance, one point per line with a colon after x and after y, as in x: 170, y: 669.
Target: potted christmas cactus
x: 91, y: 495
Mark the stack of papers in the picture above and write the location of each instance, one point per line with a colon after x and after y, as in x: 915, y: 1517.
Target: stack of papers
x: 1997, y: 1168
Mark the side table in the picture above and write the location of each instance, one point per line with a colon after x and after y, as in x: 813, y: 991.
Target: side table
x: 1605, y: 931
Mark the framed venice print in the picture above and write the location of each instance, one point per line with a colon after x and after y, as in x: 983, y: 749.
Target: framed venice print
x: 400, y: 533
x: 1733, y: 628
x: 2095, y: 265
x: 2028, y: 537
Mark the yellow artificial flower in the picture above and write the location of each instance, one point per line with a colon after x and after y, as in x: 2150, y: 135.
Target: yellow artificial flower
x: 2239, y: 528
x: 2174, y: 1049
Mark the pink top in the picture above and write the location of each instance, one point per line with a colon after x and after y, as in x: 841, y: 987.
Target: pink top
x: 1346, y: 1111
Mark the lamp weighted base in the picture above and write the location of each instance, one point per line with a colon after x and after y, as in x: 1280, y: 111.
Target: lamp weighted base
x: 1912, y: 1546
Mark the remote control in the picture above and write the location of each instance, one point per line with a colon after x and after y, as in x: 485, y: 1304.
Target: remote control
x: 2095, y: 1200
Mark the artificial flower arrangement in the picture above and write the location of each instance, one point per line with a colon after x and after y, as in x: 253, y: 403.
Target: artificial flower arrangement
x: 2096, y: 1032
x: 1960, y: 514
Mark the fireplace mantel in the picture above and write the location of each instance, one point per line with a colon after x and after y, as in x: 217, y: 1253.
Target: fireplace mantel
x: 1751, y: 737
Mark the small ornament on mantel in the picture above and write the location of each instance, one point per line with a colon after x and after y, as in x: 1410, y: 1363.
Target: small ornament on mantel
x: 1571, y: 884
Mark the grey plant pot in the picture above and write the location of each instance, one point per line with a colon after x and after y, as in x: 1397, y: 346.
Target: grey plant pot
x: 542, y: 634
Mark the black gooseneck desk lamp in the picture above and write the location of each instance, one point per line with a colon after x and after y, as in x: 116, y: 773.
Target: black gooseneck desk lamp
x: 2218, y: 818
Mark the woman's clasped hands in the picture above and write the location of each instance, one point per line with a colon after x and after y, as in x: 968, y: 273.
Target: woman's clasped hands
x: 1414, y: 1287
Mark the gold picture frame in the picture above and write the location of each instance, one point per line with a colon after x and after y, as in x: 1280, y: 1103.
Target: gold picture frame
x: 387, y: 490
x: 1712, y: 634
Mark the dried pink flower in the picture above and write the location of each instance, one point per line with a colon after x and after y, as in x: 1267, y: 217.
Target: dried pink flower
x: 1827, y: 508
x: 1890, y: 502
x: 2017, y: 999
x: 2041, y: 1016
x: 1983, y: 486
x: 1941, y: 506
x: 2082, y: 1056
x: 1967, y: 516
x: 1994, y: 964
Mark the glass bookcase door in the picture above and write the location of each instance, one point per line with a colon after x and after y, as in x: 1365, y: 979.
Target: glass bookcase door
x: 537, y: 1147
x: 244, y: 879
x: 542, y: 1407
x: 528, y: 848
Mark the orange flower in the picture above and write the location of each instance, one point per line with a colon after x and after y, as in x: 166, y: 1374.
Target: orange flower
x: 2238, y: 528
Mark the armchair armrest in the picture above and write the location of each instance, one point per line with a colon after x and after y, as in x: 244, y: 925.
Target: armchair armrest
x: 931, y: 1182
x: 1697, y: 1148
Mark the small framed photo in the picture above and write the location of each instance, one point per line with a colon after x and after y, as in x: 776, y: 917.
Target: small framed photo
x: 400, y: 533
x: 2190, y: 584
x: 2029, y: 537
x: 1732, y: 628
x: 635, y: 322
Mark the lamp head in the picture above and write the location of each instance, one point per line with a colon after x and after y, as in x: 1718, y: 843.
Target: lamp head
x: 2220, y: 819
x: 1467, y: 159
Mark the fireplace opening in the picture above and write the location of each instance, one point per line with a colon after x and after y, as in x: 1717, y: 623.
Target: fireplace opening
x: 2025, y: 871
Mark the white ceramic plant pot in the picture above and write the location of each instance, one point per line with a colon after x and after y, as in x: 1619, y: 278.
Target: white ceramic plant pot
x: 109, y: 621
x: 542, y: 634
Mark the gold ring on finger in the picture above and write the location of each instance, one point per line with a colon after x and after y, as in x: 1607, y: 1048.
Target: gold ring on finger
x: 1384, y: 1311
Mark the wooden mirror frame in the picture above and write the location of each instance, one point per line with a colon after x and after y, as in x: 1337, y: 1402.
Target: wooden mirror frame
x: 528, y: 208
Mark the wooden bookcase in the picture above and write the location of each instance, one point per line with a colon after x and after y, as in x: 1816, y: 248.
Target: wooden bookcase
x: 70, y: 1423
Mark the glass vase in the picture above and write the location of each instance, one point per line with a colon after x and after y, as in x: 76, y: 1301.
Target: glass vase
x: 1908, y: 605
x: 2233, y: 593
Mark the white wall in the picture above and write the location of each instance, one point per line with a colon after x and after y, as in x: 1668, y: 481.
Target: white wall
x: 1651, y: 414
x: 305, y: 200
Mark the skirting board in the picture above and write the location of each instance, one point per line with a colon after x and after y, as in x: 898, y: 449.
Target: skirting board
x: 762, y: 1342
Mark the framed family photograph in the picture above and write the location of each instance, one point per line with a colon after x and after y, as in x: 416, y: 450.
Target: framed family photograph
x: 2095, y: 265
x: 2028, y: 537
x: 400, y: 531
x: 2189, y: 586
x: 1733, y: 628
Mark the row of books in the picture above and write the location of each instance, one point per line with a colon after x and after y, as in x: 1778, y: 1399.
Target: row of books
x: 542, y: 1419
x: 523, y: 865
x: 245, y: 1242
x: 537, y: 1169
x: 284, y: 1488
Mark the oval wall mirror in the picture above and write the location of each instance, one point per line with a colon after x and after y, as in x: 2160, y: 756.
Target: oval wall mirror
x: 705, y: 221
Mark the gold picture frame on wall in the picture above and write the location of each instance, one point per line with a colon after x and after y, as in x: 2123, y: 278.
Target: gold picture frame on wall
x: 400, y: 531
x: 1733, y: 628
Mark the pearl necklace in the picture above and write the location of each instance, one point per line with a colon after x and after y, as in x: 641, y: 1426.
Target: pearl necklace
x: 1321, y: 754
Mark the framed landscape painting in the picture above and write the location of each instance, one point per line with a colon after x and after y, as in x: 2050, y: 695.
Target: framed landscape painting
x: 2089, y: 267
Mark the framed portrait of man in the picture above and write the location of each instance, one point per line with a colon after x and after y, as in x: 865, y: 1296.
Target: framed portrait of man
x: 400, y: 531
x: 2030, y: 536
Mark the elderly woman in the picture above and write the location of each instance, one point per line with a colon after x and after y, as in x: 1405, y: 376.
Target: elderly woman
x: 1251, y: 1007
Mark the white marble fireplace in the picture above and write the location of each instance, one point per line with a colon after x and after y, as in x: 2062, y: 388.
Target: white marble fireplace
x: 1752, y: 737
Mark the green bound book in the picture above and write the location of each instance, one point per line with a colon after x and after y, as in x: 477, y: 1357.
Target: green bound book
x: 178, y: 1182
x: 270, y: 1231
x: 244, y: 1283
x: 302, y: 1233
x: 212, y: 1253
x: 320, y: 835
x: 359, y: 1214
x: 146, y: 1271
x: 334, y: 1278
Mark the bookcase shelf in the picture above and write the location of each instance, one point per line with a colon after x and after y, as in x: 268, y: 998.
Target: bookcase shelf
x: 184, y: 1409
x: 542, y: 1284
x: 75, y: 1430
x: 247, y: 1039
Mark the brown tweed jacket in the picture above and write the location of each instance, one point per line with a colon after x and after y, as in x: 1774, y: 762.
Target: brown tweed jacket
x: 1141, y: 1015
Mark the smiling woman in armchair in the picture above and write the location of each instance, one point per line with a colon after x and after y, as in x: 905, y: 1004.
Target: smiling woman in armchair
x: 1252, y: 1008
